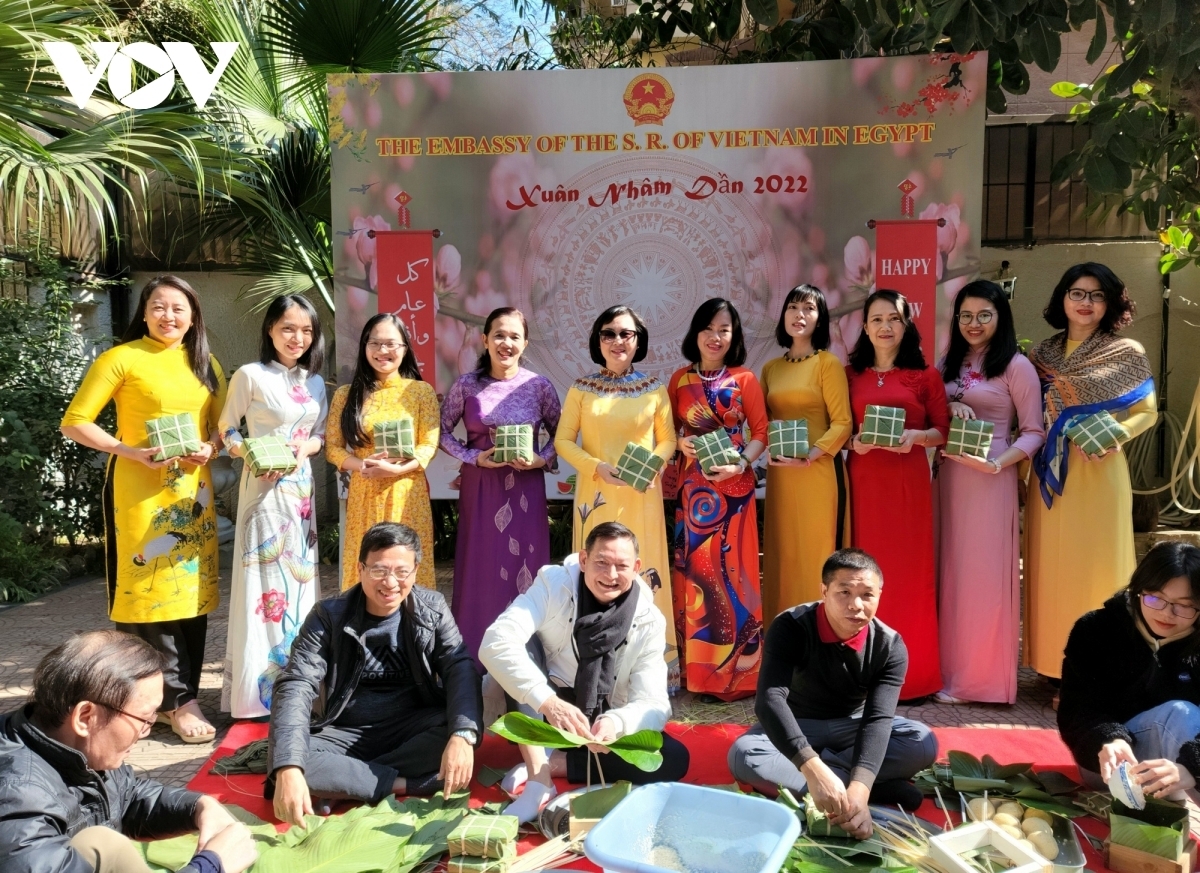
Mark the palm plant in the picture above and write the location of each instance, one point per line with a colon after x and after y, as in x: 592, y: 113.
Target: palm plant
x: 273, y: 94
x: 59, y: 160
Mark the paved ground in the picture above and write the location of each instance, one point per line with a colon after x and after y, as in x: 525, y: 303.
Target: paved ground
x: 28, y: 632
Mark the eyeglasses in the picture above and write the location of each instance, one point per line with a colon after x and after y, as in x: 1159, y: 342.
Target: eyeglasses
x: 984, y: 317
x: 1079, y: 295
x: 389, y: 346
x: 147, y: 723
x: 381, y: 573
x: 1158, y: 604
x: 611, y: 336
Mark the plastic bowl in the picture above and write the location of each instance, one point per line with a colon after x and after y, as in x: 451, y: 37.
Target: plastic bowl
x: 672, y: 827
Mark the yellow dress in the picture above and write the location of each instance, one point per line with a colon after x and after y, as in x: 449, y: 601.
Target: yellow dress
x: 608, y: 413
x: 1080, y: 551
x: 404, y: 499
x: 160, y: 524
x: 807, y: 508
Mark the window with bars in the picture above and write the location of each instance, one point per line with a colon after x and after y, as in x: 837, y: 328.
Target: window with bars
x: 1021, y: 206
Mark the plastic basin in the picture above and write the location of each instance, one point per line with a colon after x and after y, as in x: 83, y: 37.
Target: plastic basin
x: 672, y: 827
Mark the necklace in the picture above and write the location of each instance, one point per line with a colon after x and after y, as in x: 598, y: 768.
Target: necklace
x: 714, y: 377
x: 787, y: 356
x: 879, y: 374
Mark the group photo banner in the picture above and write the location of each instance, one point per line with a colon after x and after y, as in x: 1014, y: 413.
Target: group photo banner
x: 565, y: 192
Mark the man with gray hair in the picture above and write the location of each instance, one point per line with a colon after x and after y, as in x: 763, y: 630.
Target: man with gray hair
x: 68, y: 800
x: 827, y: 693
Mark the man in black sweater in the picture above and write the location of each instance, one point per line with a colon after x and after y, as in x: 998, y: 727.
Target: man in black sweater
x: 827, y: 692
x: 380, y: 695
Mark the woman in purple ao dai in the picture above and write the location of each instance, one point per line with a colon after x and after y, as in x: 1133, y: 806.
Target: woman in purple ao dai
x: 979, y: 608
x: 503, y: 535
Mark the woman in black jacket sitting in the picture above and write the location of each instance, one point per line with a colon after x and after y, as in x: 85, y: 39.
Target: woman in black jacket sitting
x: 1131, y: 678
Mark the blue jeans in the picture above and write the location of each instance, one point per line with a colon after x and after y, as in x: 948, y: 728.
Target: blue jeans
x: 1157, y: 733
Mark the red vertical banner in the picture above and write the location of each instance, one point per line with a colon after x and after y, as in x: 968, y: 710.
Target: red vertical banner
x: 906, y: 260
x: 405, y: 263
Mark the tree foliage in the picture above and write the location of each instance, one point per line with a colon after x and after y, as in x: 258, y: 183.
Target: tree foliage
x: 1142, y: 111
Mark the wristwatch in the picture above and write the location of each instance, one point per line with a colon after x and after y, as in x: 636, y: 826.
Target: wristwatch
x: 467, y: 734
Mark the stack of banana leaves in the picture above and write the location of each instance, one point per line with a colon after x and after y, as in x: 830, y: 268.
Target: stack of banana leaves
x: 393, y: 837
x: 971, y: 777
x: 900, y: 841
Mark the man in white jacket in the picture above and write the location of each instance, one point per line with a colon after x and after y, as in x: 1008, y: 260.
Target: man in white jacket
x: 583, y: 647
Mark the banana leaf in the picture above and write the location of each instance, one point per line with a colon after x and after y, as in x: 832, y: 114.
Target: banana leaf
x: 1159, y: 829
x: 436, y: 820
x: 597, y: 804
x: 641, y: 749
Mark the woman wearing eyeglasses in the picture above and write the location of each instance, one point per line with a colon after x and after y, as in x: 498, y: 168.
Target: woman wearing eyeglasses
x: 979, y: 595
x: 1131, y: 679
x: 387, y: 386
x: 605, y: 411
x: 1079, y: 532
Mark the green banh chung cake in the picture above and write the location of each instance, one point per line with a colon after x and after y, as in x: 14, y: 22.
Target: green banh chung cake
x: 1096, y: 434
x: 788, y: 439
x: 396, y: 438
x: 638, y: 466
x: 714, y: 449
x: 882, y: 426
x: 269, y: 454
x: 969, y: 437
x: 514, y: 442
x: 175, y: 436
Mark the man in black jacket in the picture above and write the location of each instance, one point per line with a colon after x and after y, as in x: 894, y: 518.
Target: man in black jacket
x: 827, y: 693
x: 380, y: 694
x: 68, y: 802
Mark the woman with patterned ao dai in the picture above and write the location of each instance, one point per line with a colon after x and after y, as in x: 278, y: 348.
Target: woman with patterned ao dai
x: 160, y: 520
x: 606, y: 410
x: 387, y: 386
x: 714, y: 579
x: 275, y: 580
x: 503, y: 538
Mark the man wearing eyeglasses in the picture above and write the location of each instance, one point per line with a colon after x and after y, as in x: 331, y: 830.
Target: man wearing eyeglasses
x: 380, y: 695
x: 68, y: 801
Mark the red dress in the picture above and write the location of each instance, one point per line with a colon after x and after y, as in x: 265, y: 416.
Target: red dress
x: 891, y: 515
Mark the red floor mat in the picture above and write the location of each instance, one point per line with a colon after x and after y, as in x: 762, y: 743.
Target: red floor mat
x: 708, y: 744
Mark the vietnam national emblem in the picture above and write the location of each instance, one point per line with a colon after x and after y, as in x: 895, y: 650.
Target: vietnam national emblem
x: 648, y: 99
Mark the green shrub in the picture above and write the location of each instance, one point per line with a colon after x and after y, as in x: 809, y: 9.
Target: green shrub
x: 26, y: 570
x: 50, y: 487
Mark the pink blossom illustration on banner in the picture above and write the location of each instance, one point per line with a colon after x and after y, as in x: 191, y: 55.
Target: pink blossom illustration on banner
x: 273, y: 606
x: 365, y: 245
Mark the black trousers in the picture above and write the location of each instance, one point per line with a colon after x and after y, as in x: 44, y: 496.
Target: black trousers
x: 676, y: 757
x: 362, y: 763
x: 182, y: 644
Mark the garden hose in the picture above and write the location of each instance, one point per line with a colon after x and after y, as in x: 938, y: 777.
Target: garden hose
x: 1182, y: 444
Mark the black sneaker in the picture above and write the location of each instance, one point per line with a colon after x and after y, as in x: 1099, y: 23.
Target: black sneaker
x: 897, y: 792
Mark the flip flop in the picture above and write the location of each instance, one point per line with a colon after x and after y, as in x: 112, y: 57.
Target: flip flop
x: 168, y: 718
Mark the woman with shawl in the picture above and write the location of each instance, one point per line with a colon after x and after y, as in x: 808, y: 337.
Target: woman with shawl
x: 1079, y: 532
